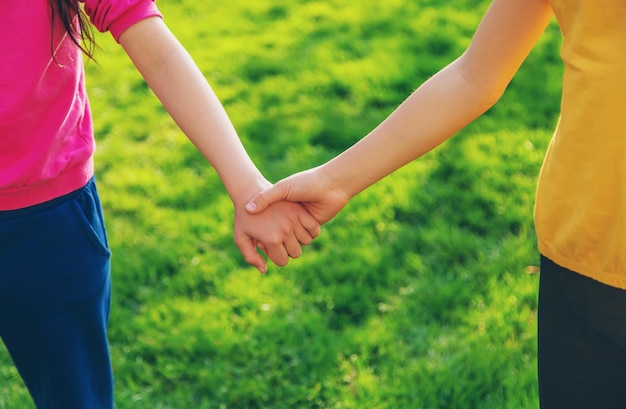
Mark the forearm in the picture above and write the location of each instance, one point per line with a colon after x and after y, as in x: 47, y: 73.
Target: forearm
x: 433, y: 113
x: 448, y: 101
x: 184, y: 92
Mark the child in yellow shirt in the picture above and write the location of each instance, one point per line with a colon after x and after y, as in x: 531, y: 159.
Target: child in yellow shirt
x: 581, y: 201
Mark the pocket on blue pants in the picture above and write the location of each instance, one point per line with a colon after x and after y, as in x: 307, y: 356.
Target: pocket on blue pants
x: 56, y: 254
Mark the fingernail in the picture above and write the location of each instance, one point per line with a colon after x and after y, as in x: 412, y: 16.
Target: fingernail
x: 251, y: 206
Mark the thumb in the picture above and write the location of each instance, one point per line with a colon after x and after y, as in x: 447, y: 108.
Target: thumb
x: 254, y: 259
x: 265, y: 198
x: 247, y: 248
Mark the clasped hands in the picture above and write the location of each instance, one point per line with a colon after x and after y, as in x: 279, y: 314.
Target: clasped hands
x: 285, y: 216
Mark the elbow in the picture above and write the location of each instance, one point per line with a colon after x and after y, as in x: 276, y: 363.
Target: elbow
x: 486, y: 85
x: 489, y: 94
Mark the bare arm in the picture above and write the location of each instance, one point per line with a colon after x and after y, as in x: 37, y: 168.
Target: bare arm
x: 184, y: 92
x: 443, y: 105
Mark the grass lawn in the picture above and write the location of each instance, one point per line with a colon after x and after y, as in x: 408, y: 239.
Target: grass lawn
x: 420, y: 294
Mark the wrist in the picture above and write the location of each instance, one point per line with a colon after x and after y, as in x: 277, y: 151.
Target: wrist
x: 244, y: 189
x: 337, y: 180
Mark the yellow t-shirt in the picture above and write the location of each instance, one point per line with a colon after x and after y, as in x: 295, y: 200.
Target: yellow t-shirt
x: 580, y: 213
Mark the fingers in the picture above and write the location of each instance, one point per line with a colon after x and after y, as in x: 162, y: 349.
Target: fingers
x: 293, y: 247
x: 280, y: 251
x: 311, y: 225
x: 260, y: 246
x: 303, y: 236
x: 279, y: 230
x: 247, y: 248
x: 307, y: 230
x: 304, y: 229
x: 277, y: 251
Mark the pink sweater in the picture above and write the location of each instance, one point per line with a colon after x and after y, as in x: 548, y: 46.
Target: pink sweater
x: 46, y: 133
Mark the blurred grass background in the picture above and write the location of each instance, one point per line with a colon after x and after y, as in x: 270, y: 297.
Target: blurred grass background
x: 418, y: 295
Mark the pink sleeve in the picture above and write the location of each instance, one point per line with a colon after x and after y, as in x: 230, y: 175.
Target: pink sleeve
x: 116, y: 16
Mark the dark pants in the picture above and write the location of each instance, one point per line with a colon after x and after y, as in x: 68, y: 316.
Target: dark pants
x: 54, y: 300
x: 582, y: 341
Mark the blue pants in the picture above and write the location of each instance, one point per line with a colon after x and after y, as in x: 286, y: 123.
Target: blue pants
x: 54, y: 300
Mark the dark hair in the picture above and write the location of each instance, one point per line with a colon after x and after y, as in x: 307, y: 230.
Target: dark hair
x: 80, y: 34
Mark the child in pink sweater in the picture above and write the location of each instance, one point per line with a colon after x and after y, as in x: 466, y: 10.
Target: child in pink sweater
x: 54, y: 256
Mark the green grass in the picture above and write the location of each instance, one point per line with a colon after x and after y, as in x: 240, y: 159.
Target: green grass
x: 416, y: 296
